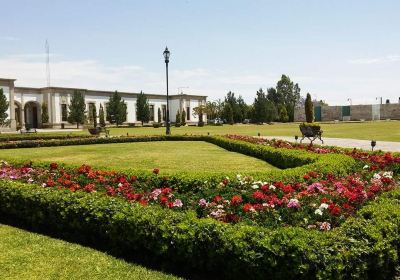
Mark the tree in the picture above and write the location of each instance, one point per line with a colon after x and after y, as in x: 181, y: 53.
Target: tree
x: 3, y: 107
x: 45, y: 113
x: 309, y: 109
x: 116, y: 110
x: 211, y: 109
x: 234, y: 104
x: 143, y: 108
x: 101, y: 116
x: 199, y: 111
x: 183, y: 117
x: 159, y: 115
x: 77, y: 108
x: 290, y: 94
x: 94, y: 116
x: 229, y: 113
x: 263, y: 109
x: 283, y: 115
x: 178, y: 119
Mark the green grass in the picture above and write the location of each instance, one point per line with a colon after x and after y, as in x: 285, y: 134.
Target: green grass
x: 169, y: 156
x: 379, y: 130
x: 26, y: 255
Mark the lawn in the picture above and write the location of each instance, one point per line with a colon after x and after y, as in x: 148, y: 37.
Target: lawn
x: 26, y: 255
x: 169, y: 156
x: 378, y: 130
x: 381, y: 130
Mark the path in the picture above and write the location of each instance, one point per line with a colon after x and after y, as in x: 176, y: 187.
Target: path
x: 347, y: 143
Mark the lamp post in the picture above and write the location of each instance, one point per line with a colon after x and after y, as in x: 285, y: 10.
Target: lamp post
x: 166, y: 56
x: 373, y: 144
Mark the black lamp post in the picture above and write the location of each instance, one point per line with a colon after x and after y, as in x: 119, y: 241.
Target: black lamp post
x: 166, y: 56
x: 296, y: 137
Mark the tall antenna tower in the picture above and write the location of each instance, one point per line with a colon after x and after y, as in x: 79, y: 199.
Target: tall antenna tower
x: 47, y: 47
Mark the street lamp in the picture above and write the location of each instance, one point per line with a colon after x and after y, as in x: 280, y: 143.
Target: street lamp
x: 166, y: 56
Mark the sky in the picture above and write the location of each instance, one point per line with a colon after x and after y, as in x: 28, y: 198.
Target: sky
x: 335, y: 49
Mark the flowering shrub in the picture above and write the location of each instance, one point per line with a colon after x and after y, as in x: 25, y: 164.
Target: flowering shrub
x: 319, y: 202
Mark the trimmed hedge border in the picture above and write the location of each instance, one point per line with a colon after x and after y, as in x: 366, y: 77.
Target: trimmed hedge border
x: 295, y: 163
x: 364, y: 247
x: 26, y: 137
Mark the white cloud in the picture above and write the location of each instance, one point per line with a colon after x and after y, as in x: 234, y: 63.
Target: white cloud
x: 377, y: 60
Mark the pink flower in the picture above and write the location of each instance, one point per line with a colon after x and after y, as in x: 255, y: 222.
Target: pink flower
x: 293, y: 203
x: 325, y: 226
x: 177, y: 203
x: 203, y: 203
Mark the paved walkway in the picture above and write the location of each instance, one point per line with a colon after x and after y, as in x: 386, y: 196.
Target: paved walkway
x: 347, y: 143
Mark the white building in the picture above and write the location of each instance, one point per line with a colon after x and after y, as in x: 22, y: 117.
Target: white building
x: 26, y: 103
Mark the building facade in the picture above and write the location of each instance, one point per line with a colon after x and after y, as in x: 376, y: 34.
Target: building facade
x: 25, y: 105
x: 352, y: 112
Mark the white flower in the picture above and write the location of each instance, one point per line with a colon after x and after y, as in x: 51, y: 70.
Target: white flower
x: 365, y: 167
x: 377, y: 176
x: 318, y: 212
x: 272, y: 187
x: 120, y: 185
x: 220, y: 206
x: 254, y: 187
x: 388, y: 174
x: 323, y: 206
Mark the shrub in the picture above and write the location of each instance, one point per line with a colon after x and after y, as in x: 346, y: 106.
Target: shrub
x: 366, y: 246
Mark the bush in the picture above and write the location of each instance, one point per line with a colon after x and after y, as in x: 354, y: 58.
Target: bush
x: 366, y: 246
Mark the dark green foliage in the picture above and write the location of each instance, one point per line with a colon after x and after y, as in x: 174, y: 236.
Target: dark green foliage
x: 94, y: 115
x: 178, y: 119
x: 232, y: 106
x: 101, y: 116
x: 116, y: 110
x: 159, y: 115
x: 200, y: 111
x: 45, y: 113
x: 229, y: 113
x: 183, y: 117
x: 3, y: 107
x: 264, y: 109
x: 283, y: 115
x: 309, y: 109
x: 77, y: 108
x: 142, y: 108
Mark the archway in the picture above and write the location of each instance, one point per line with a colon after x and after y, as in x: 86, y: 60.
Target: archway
x: 32, y: 114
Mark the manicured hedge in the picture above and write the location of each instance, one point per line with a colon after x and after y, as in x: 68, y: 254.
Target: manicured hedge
x: 295, y: 163
x: 47, y: 136
x: 366, y: 246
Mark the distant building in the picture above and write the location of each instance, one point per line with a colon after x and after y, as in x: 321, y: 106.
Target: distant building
x: 26, y: 103
x: 352, y: 112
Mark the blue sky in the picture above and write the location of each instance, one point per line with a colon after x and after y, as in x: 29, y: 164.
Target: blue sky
x: 334, y: 49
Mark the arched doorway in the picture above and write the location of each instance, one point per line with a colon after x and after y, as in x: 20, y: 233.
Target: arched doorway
x: 32, y: 114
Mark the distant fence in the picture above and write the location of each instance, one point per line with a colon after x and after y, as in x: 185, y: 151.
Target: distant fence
x: 352, y: 112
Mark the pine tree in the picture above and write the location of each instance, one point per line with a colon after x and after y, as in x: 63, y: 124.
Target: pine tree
x: 143, y: 108
x: 101, y: 116
x: 178, y: 119
x: 309, y: 109
x: 159, y: 115
x: 3, y: 107
x: 77, y: 108
x: 116, y: 111
x: 183, y: 117
x: 45, y: 113
x: 94, y: 115
x: 229, y: 113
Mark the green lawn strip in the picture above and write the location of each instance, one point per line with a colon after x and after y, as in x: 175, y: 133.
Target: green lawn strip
x: 26, y: 255
x: 170, y: 156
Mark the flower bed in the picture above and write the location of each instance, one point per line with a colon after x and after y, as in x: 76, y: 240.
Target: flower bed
x: 307, y: 223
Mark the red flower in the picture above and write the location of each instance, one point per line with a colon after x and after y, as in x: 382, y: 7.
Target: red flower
x: 258, y: 195
x: 217, y: 198
x: 334, y: 209
x: 133, y: 179
x: 166, y: 190
x: 89, y: 187
x: 53, y: 166
x: 122, y: 180
x: 306, y: 177
x: 248, y: 207
x: 50, y: 183
x: 156, y: 171
x: 236, y: 199
x: 225, y: 181
x: 164, y: 200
